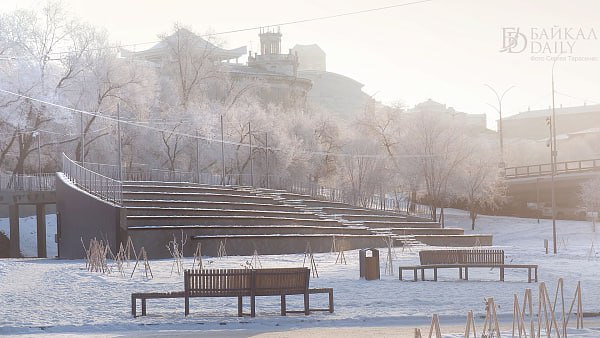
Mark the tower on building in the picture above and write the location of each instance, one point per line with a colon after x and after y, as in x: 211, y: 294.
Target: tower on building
x: 270, y: 58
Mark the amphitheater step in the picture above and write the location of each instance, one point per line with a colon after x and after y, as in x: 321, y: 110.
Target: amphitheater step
x: 161, y: 211
x: 193, y: 230
x: 384, y: 224
x: 225, y: 220
x: 211, y: 205
x: 169, y: 188
x: 362, y: 218
x: 222, y: 197
x: 419, y: 231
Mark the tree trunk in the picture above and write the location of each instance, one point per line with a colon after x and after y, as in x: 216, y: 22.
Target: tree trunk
x: 473, y: 216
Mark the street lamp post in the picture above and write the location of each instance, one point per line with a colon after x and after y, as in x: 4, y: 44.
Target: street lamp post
x: 499, y: 110
x: 554, y: 154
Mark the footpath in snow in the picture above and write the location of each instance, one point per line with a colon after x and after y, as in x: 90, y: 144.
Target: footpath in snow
x: 58, y: 297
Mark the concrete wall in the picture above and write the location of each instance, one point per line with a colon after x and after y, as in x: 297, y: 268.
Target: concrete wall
x: 83, y: 216
x: 455, y: 240
x: 155, y: 241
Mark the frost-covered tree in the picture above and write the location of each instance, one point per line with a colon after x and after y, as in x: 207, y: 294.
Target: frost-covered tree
x: 439, y: 147
x: 478, y: 182
x: 31, y: 40
x: 590, y: 194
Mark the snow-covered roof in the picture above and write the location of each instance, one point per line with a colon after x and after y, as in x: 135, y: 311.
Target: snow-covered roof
x: 558, y: 110
x: 197, y: 41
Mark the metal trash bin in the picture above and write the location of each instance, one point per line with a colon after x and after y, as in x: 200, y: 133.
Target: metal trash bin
x: 369, y: 263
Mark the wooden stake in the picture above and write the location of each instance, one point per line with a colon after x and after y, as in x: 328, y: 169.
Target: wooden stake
x: 341, y: 258
x: 471, y: 326
x: 222, y: 252
x: 198, y: 257
x: 255, y: 261
x: 579, y: 313
x: 491, y: 328
x: 435, y: 326
x: 389, y: 264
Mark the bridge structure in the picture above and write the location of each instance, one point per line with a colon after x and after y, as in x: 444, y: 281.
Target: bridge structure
x: 17, y: 190
x: 533, y: 183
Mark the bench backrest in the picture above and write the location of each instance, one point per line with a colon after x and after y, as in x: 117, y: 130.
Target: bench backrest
x: 281, y: 281
x: 485, y: 256
x: 218, y: 282
x: 245, y: 282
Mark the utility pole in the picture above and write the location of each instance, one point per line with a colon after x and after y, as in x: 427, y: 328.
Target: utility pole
x: 251, y: 160
x: 267, y: 157
x: 198, y: 155
x: 39, y: 146
x: 499, y: 110
x: 119, y: 140
x: 82, y: 139
x: 554, y: 155
x: 222, y: 152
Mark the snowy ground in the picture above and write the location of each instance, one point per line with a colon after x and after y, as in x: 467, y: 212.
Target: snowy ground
x: 60, y: 297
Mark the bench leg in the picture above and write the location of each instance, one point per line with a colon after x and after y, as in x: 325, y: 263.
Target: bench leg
x: 435, y: 274
x: 528, y: 275
x: 536, y: 279
x: 422, y: 274
x: 400, y: 273
x: 143, y: 306
x: 133, y: 306
x: 252, y: 306
x: 415, y: 273
x: 460, y: 275
x: 501, y: 274
x: 240, y: 306
x: 466, y: 273
x: 187, y: 305
x: 306, y: 304
x: 331, y: 301
x: 283, y: 305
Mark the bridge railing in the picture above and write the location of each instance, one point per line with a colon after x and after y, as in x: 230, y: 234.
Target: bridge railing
x: 39, y: 182
x: 546, y: 168
x: 104, y: 187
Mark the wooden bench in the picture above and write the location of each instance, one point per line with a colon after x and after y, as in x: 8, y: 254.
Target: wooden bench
x: 242, y: 283
x: 463, y: 260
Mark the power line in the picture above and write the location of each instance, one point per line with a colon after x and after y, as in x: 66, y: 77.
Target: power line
x: 192, y: 136
x: 287, y: 23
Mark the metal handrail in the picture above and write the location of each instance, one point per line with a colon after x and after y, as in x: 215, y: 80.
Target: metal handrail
x: 316, y: 191
x: 107, y: 176
x: 546, y: 168
x: 39, y: 182
x: 104, y: 187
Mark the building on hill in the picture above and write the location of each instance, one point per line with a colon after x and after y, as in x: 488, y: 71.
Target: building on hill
x: 338, y: 94
x: 274, y: 75
x: 310, y: 57
x: 160, y: 52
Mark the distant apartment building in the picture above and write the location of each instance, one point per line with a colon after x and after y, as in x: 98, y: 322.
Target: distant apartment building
x: 472, y: 121
x: 577, y: 131
x: 532, y: 124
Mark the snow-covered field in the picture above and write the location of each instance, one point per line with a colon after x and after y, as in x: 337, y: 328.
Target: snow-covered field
x: 60, y: 297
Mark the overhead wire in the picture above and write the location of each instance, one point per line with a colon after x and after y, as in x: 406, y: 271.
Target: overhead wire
x: 193, y: 136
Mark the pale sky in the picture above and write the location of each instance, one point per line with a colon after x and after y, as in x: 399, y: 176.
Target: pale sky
x: 445, y: 50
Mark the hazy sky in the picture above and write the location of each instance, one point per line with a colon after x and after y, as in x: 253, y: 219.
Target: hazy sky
x: 443, y: 49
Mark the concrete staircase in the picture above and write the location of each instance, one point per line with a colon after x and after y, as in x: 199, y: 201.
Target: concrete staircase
x: 245, y: 219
